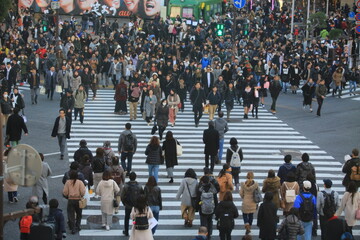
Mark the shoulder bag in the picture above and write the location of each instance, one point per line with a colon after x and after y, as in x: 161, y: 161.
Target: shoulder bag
x: 179, y: 149
x: 194, y: 203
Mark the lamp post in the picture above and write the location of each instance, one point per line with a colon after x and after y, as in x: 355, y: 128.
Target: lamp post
x: 307, y: 19
x: 292, y: 19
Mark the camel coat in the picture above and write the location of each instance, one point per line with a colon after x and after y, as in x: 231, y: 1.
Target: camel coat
x: 337, y: 77
x: 247, y: 195
x: 349, y: 207
x: 284, y: 187
x: 272, y: 185
x: 226, y: 184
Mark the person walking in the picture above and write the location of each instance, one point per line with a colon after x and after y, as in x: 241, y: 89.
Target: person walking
x: 6, y: 108
x: 173, y: 100
x: 308, y: 92
x: 9, y: 185
x: 14, y: 127
x: 170, y: 154
x: 272, y: 184
x: 67, y: 103
x: 197, y: 97
x: 127, y: 145
x: 118, y: 175
x: 211, y: 141
x: 234, y: 157
x: 350, y: 203
x: 107, y: 189
x: 56, y: 215
x: 247, y: 96
x: 230, y: 96
x: 293, y: 224
x: 120, y: 98
x: 99, y: 166
x: 162, y: 117
x: 275, y: 89
x: 337, y: 77
x: 61, y: 130
x: 87, y: 171
x: 74, y: 190
x: 154, y: 155
x: 41, y: 187
x: 303, y: 169
x: 225, y: 181
x: 285, y: 168
x: 34, y: 82
x: 306, y: 203
x: 267, y: 218
x: 202, y: 233
x: 213, y: 99
x: 50, y: 82
x: 149, y: 105
x: 153, y: 197
x: 187, y: 191
x: 82, y: 151
x: 221, y: 126
x: 249, y: 206
x: 129, y: 195
x: 80, y: 98
x: 139, y: 211
x: 225, y: 213
x: 288, y: 191
x: 134, y: 96
x: 320, y: 93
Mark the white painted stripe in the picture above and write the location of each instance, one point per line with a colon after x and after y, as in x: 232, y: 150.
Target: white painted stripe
x: 57, y: 176
x: 50, y: 154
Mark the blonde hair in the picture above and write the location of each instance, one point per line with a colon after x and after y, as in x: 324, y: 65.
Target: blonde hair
x: 249, y: 178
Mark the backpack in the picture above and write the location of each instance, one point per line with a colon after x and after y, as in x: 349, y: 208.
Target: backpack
x: 225, y: 221
x: 132, y: 194
x: 235, y: 158
x: 290, y: 194
x: 141, y: 221
x: 306, y: 210
x: 207, y: 202
x: 25, y: 224
x: 355, y: 172
x: 329, y: 204
x: 107, y: 158
x: 129, y: 142
x: 116, y: 176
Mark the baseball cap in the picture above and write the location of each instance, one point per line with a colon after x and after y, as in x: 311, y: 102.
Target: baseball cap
x: 307, y: 184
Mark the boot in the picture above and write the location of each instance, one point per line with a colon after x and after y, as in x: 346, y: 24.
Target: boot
x: 190, y: 223
x: 247, y: 228
x: 246, y: 116
x: 171, y: 180
x: 186, y: 222
x: 237, y: 187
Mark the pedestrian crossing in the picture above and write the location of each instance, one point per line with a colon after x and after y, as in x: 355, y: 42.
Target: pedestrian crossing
x: 345, y: 94
x: 264, y: 142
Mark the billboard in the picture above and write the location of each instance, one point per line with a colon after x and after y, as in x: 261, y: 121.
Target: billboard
x: 146, y: 9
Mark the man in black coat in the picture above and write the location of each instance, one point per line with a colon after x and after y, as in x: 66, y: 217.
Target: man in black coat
x: 211, y: 141
x: 14, y: 127
x: 67, y: 103
x: 61, y: 130
x: 10, y: 75
x: 82, y: 151
x: 197, y: 97
x: 353, y: 162
x: 208, y: 80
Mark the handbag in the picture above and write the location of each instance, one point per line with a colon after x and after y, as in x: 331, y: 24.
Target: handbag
x: 82, y: 203
x: 42, y: 90
x: 115, y: 203
x: 179, y: 106
x: 206, y: 109
x: 179, y: 149
x: 257, y: 196
x: 58, y: 89
x: 154, y: 129
x: 194, y: 202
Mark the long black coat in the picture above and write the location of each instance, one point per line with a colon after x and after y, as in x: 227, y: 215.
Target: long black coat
x: 211, y: 140
x: 54, y: 132
x: 169, y: 146
x: 15, y: 125
x: 275, y: 88
x: 267, y: 220
x: 162, y: 116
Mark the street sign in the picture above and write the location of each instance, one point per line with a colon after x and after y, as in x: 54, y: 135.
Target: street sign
x: 357, y: 29
x: 241, y: 3
x: 351, y: 14
x: 24, y: 165
x: 55, y: 5
x: 357, y: 17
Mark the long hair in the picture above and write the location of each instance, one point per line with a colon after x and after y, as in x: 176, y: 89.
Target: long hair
x: 154, y: 141
x: 352, y: 189
x: 151, y: 182
x: 249, y: 178
x: 190, y: 173
x: 223, y: 171
x: 141, y: 203
x: 73, y: 175
x: 169, y: 135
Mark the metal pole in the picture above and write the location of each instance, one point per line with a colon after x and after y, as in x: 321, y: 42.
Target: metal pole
x: 307, y: 19
x: 314, y: 7
x: 327, y: 8
x: 1, y: 180
x: 57, y: 26
x: 292, y: 19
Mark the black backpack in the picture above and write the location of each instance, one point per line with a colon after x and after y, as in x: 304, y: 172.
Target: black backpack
x: 141, y: 221
x: 132, y: 194
x: 329, y: 204
x: 129, y: 142
x: 225, y: 221
x: 306, y: 210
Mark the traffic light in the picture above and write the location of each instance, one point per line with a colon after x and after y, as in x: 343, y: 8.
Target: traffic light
x: 45, y: 28
x: 220, y: 29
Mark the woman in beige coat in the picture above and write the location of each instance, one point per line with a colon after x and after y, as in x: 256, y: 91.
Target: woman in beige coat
x: 289, y: 184
x: 173, y: 101
x: 141, y: 209
x: 249, y: 206
x: 107, y: 188
x: 225, y: 181
x: 350, y: 203
x: 272, y: 184
x: 337, y: 78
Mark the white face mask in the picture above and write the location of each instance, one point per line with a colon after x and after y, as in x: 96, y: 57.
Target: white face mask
x: 5, y: 95
x: 164, y: 104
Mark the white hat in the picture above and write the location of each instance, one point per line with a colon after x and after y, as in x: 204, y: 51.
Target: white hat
x: 307, y: 184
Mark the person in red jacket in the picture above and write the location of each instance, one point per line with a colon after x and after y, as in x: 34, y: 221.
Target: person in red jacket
x: 120, y: 98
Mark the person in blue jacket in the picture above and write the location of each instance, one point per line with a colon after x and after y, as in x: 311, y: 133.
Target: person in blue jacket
x: 286, y: 168
x: 307, y: 210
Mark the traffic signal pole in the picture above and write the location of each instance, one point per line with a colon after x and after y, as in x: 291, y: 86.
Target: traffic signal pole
x: 1, y: 180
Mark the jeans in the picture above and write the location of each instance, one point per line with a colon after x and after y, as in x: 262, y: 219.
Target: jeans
x: 154, y: 171
x: 79, y: 111
x: 273, y: 105
x: 212, y: 163
x: 352, y: 85
x: 248, y: 218
x: 62, y: 142
x: 155, y: 210
x: 126, y: 219
x: 308, y: 231
x: 221, y: 148
x: 285, y: 86
x: 206, y: 220
x: 72, y: 211
x: 320, y: 101
x: 33, y: 93
x: 129, y: 156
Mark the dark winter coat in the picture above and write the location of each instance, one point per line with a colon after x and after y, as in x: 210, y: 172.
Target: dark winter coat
x: 266, y: 220
x: 6, y: 106
x: 56, y: 215
x: 308, y: 92
x: 19, y: 100
x: 129, y: 188
x: 275, y: 88
x: 56, y: 126
x: 153, y: 196
x: 273, y: 185
x: 153, y: 153
x: 294, y: 225
x: 347, y: 170
x: 121, y: 92
x: 162, y: 116
x: 98, y: 164
x: 82, y: 151
x: 48, y: 83
x: 214, y: 99
x: 226, y: 207
x: 335, y: 228
x: 197, y: 97
x: 302, y: 170
x: 87, y: 171
x: 211, y: 140
x: 67, y: 102
x: 15, y: 126
x: 284, y: 170
x: 169, y: 146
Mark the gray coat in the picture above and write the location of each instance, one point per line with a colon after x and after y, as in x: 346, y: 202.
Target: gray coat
x: 221, y: 126
x: 121, y: 141
x: 63, y: 80
x: 150, y: 107
x: 42, y: 184
x: 118, y: 68
x: 75, y: 83
x: 184, y: 190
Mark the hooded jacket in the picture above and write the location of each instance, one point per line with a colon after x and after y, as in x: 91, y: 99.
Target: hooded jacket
x: 294, y: 225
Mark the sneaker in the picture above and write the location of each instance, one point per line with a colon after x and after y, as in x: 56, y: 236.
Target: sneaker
x: 126, y: 233
x: 11, y: 202
x: 16, y: 199
x: 310, y: 109
x: 107, y: 228
x: 103, y: 226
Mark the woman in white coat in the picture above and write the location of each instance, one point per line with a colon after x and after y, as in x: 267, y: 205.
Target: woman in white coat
x: 107, y: 188
x: 350, y: 203
x: 41, y: 188
x: 141, y: 209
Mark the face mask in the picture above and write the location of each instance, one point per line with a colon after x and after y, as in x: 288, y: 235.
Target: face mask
x: 164, y: 104
x: 5, y: 95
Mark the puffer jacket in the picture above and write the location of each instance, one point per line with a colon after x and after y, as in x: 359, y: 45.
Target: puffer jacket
x: 295, y: 227
x: 272, y: 185
x: 153, y: 154
x: 247, y: 195
x: 226, y: 184
x: 302, y: 170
